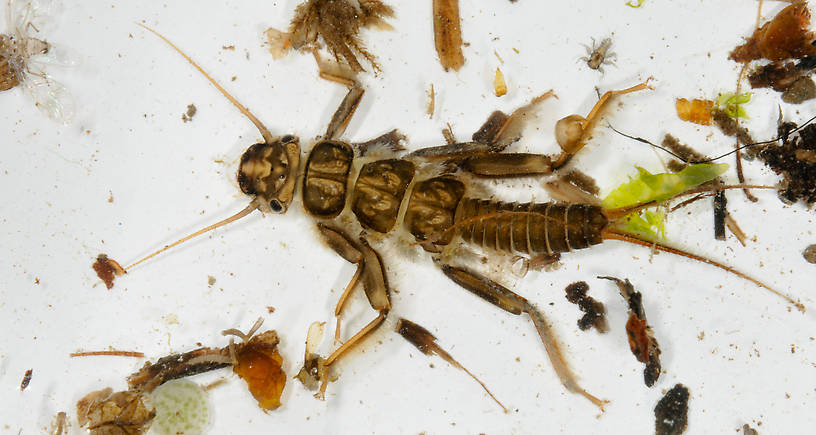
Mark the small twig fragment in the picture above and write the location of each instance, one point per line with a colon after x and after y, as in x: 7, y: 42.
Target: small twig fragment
x: 423, y: 340
x: 448, y: 34
x: 176, y: 366
x: 107, y: 353
x: 431, y: 102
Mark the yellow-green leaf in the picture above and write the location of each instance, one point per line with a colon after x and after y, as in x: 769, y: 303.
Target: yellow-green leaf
x: 648, y: 187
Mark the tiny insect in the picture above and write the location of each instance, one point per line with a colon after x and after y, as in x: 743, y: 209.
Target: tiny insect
x: 345, y: 194
x: 599, y: 55
x: 24, y: 54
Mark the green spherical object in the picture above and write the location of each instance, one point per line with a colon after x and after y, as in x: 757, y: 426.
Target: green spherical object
x: 181, y: 407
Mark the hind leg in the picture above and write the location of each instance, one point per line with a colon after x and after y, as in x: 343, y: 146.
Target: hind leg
x: 509, y: 301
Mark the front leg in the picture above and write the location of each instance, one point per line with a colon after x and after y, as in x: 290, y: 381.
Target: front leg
x: 342, y: 116
x: 509, y: 301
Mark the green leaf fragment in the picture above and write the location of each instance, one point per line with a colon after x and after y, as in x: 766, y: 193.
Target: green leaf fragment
x: 648, y: 187
x: 731, y: 104
x: 636, y: 4
x: 648, y: 224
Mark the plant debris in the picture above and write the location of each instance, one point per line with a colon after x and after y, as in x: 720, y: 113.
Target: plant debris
x: 423, y: 340
x: 259, y: 363
x: 60, y: 424
x: 107, y: 269
x: 123, y: 412
x: 314, y: 372
x: 499, y: 85
x: 671, y: 412
x: 786, y: 36
x: 191, y: 111
x: 730, y: 127
x: 795, y: 160
x: 335, y: 23
x: 595, y: 313
x: 801, y: 90
x: 107, y: 353
x: 176, y: 366
x: 697, y: 110
x: 26, y: 379
x: 720, y: 202
x: 642, y: 342
x: 429, y: 109
x: 810, y: 254
x: 731, y: 104
x: 448, y: 34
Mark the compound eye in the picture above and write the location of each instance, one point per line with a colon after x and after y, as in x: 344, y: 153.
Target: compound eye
x: 288, y: 138
x: 275, y: 206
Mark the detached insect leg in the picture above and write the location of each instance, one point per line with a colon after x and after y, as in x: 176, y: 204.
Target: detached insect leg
x: 505, y: 299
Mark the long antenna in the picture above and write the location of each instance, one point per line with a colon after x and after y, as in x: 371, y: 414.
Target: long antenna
x: 249, y: 209
x: 262, y: 128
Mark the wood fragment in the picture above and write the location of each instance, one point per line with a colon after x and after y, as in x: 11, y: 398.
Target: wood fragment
x: 719, y: 215
x: 26, y: 379
x: 423, y: 340
x: 731, y: 223
x: 448, y: 34
x: 499, y: 85
x: 108, y: 353
x: 176, y: 366
x: 431, y: 102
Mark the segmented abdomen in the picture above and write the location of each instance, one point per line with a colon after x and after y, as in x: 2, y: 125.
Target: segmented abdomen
x: 530, y: 228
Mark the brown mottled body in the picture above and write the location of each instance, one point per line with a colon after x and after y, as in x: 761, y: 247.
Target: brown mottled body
x: 8, y: 74
x: 437, y: 208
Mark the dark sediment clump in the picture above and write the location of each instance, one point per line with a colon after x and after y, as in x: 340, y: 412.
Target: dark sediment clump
x: 594, y: 311
x: 795, y: 160
x: 671, y: 412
